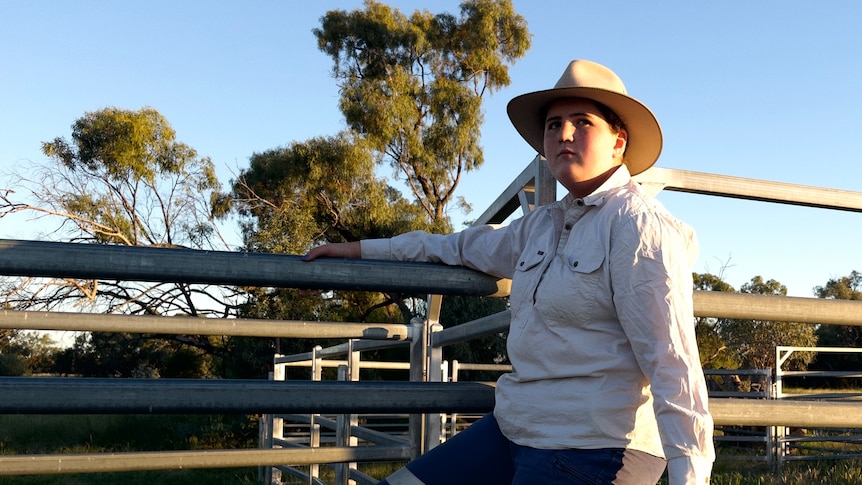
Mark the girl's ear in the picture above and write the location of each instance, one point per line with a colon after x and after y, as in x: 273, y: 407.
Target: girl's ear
x: 620, y: 146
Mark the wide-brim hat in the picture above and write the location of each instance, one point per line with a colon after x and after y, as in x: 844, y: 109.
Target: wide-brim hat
x: 587, y: 79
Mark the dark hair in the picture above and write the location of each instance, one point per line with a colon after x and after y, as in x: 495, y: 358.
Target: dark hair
x: 615, y: 122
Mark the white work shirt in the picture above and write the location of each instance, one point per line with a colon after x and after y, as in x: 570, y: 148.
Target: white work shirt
x: 602, y: 339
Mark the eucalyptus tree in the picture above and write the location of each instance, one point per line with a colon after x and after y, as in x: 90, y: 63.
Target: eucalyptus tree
x: 326, y: 189
x: 713, y: 349
x: 754, y: 341
x: 124, y: 179
x: 322, y: 189
x: 412, y: 87
x: 840, y: 288
x: 411, y: 92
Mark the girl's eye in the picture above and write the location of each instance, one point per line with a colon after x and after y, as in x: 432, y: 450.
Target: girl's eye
x: 553, y: 125
x: 583, y: 122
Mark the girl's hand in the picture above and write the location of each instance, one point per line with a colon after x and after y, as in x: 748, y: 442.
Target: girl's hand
x: 351, y: 250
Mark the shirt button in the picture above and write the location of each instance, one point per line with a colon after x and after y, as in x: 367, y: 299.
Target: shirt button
x: 580, y: 202
x: 522, y: 263
x: 575, y: 264
x: 568, y: 226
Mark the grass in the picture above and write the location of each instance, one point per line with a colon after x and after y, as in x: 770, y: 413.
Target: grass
x: 831, y: 472
x: 233, y: 476
x: 45, y: 434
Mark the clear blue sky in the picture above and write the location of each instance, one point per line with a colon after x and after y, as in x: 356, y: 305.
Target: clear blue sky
x: 767, y: 90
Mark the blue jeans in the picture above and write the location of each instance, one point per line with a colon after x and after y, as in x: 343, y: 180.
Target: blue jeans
x: 481, y: 455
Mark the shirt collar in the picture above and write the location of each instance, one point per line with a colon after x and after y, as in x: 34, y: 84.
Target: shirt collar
x: 620, y: 177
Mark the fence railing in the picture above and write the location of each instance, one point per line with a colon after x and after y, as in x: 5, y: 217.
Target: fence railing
x: 814, y: 442
x: 424, y: 394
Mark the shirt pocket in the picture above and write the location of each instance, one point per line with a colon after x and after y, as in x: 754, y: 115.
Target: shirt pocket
x: 571, y: 287
x: 530, y: 258
x: 526, y: 276
x: 586, y: 260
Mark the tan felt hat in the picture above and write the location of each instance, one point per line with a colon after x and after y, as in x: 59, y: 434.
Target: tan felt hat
x: 589, y: 80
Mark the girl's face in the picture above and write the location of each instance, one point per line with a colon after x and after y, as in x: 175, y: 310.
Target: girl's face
x: 579, y: 144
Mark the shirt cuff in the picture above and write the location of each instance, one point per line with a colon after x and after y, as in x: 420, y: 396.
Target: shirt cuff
x: 689, y: 470
x: 375, y: 249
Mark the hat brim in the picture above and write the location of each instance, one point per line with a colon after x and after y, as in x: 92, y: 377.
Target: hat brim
x: 644, y: 144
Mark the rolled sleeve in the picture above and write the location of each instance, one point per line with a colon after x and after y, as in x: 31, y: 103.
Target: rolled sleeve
x: 376, y: 249
x: 489, y: 248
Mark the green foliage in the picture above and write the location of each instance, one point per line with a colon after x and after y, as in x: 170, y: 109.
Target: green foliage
x: 24, y: 434
x: 324, y: 189
x: 12, y: 365
x: 412, y: 86
x: 843, y: 288
x: 289, y: 199
x: 411, y: 93
x: 490, y: 349
x: 124, y: 179
x: 755, y: 341
x: 134, y: 355
x: 732, y: 343
x: 713, y: 350
x: 26, y: 353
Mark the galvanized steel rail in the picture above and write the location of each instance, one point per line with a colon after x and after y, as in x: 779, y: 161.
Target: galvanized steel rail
x: 242, y: 327
x: 133, y: 263
x: 176, y: 460
x: 74, y: 395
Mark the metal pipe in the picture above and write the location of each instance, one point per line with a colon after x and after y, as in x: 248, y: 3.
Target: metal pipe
x: 777, y: 308
x: 95, y: 322
x: 59, y: 395
x: 176, y: 460
x: 134, y: 263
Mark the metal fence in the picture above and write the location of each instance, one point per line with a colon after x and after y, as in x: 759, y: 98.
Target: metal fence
x: 812, y: 442
x: 424, y: 394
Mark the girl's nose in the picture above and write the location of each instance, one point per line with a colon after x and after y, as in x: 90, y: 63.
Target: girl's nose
x: 567, y: 132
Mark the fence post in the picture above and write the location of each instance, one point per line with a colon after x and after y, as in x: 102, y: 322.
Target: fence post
x: 453, y: 418
x: 434, y: 357
x: 433, y: 421
x: 277, y: 422
x: 313, y: 425
x: 782, y: 353
x: 272, y: 428
x: 545, y: 184
x: 418, y: 349
x: 444, y: 418
x: 264, y: 473
x: 346, y: 422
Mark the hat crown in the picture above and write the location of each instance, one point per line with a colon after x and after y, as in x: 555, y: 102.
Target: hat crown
x: 587, y: 74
